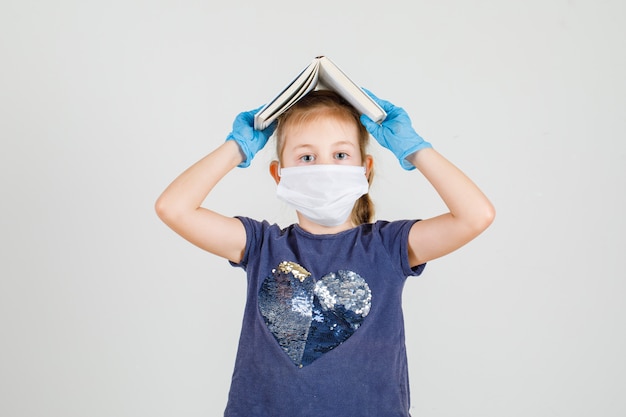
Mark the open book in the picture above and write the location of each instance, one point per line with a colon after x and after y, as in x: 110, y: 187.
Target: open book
x: 321, y: 73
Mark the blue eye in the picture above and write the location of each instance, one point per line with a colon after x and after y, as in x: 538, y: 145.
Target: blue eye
x: 307, y: 158
x: 341, y: 155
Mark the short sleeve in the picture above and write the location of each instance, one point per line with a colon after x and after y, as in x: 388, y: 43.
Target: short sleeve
x: 395, y: 237
x: 254, y: 234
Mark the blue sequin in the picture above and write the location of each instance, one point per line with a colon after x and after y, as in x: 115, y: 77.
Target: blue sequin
x: 309, y: 317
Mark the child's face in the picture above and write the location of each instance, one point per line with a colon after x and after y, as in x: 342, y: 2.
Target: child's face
x: 325, y: 140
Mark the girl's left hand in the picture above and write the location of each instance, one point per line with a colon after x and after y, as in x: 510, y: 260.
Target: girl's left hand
x: 395, y: 132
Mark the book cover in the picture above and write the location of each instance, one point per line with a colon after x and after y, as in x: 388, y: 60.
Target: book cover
x: 321, y: 73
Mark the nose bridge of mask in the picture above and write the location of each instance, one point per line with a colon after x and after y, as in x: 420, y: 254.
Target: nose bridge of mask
x: 280, y: 168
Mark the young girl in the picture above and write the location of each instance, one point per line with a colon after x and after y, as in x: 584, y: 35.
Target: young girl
x: 323, y: 331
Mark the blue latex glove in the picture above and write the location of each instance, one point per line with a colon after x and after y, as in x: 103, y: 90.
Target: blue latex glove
x: 395, y: 132
x: 250, y: 141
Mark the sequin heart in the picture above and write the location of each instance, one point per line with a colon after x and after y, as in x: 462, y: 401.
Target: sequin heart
x: 309, y: 317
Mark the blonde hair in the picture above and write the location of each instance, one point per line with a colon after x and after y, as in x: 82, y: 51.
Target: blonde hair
x: 321, y: 103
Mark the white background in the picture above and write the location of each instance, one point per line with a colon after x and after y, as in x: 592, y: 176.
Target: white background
x: 104, y: 312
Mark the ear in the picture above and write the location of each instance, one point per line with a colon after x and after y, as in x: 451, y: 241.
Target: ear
x: 368, y: 163
x: 274, y: 166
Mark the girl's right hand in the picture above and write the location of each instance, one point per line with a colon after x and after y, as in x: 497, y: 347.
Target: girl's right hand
x: 250, y: 141
x: 395, y: 132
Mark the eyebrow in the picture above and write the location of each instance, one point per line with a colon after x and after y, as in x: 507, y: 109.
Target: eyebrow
x: 338, y: 143
x: 345, y: 142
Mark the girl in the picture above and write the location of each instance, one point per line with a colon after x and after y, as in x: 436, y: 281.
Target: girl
x: 323, y: 331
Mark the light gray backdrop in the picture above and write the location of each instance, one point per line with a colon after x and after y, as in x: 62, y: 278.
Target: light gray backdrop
x: 104, y: 312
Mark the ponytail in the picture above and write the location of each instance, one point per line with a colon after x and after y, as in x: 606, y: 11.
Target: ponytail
x: 363, y: 210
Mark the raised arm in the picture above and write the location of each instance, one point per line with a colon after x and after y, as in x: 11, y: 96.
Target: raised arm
x: 179, y: 206
x: 470, y: 212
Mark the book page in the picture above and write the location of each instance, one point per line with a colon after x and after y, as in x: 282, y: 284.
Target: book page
x: 321, y: 73
x: 286, y: 102
x: 331, y: 77
x: 301, y: 85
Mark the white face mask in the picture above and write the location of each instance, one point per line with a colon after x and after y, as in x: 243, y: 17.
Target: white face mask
x: 323, y: 193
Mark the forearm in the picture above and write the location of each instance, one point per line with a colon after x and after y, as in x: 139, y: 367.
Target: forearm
x: 466, y: 202
x: 189, y: 189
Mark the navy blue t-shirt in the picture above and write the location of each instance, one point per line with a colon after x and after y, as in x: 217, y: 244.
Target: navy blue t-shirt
x: 323, y: 331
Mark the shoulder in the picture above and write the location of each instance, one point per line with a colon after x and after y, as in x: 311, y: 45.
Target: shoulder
x: 262, y: 227
x: 260, y: 237
x: 261, y: 234
x: 394, y: 239
x: 396, y: 228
